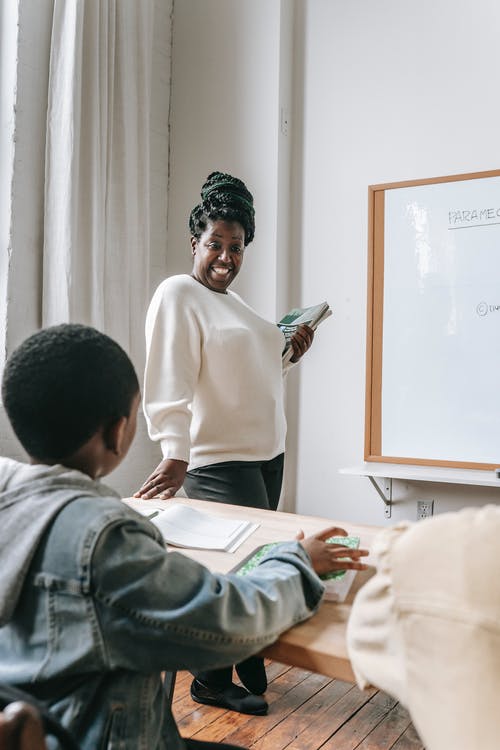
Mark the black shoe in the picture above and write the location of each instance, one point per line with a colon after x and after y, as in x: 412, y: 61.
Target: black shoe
x: 233, y: 697
x: 252, y: 673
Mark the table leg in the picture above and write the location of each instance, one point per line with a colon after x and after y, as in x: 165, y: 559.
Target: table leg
x: 174, y: 740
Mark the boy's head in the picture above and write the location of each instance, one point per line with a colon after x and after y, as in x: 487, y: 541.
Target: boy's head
x: 63, y: 385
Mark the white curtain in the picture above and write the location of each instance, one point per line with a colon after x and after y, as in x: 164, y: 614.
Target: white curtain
x: 8, y: 50
x: 97, y: 168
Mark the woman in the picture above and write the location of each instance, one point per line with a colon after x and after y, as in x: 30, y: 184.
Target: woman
x: 213, y: 392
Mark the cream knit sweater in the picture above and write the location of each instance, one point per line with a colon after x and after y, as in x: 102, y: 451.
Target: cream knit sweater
x: 426, y: 627
x: 213, y: 386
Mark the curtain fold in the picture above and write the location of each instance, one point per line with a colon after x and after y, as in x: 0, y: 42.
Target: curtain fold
x: 97, y: 168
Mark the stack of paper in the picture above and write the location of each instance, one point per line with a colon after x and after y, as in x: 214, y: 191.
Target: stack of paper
x: 183, y: 526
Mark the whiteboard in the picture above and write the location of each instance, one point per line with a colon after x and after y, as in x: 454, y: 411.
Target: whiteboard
x: 433, y: 356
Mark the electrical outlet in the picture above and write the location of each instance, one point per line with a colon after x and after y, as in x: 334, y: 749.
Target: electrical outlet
x: 425, y: 508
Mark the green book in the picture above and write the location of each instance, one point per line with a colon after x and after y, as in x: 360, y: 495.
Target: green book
x: 337, y: 582
x: 313, y: 316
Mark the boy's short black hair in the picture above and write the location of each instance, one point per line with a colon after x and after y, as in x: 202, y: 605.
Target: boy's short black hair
x: 61, y: 385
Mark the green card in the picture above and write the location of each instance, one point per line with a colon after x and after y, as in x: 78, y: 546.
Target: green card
x: 251, y: 562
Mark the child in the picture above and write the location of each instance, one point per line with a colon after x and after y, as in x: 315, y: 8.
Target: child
x: 426, y: 627
x: 92, y: 607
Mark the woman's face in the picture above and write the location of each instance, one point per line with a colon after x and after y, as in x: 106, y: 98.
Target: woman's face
x: 218, y: 254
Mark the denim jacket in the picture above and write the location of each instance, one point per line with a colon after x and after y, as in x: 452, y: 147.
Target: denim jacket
x: 93, y: 607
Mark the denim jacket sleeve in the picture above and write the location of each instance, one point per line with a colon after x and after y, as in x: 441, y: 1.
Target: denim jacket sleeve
x: 162, y: 610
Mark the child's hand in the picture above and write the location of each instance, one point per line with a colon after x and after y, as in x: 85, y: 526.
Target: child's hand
x: 327, y: 558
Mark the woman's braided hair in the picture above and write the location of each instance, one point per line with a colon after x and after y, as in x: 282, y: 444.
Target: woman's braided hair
x: 226, y: 198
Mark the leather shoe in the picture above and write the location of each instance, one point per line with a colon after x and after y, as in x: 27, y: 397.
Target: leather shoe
x: 252, y: 673
x: 233, y: 697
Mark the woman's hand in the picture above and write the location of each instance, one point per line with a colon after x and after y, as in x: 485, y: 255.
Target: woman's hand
x: 327, y: 557
x: 165, y: 481
x: 301, y: 341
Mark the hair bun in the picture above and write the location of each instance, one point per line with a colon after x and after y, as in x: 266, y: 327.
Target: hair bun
x: 226, y: 198
x: 221, y: 188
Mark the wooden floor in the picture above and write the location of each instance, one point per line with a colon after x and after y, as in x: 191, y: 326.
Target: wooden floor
x: 306, y: 712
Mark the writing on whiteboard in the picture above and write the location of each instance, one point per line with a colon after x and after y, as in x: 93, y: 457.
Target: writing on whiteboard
x: 479, y: 217
x: 483, y: 308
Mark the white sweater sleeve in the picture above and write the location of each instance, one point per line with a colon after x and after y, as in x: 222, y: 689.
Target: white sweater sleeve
x: 172, y: 367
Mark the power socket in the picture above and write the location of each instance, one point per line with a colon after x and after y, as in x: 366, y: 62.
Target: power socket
x: 425, y: 508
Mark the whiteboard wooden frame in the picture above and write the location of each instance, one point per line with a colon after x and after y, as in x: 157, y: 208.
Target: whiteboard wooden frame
x: 374, y: 450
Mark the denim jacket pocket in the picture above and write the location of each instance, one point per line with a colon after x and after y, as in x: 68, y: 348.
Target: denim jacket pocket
x: 114, y: 736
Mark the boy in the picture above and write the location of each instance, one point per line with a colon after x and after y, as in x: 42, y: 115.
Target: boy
x: 92, y: 607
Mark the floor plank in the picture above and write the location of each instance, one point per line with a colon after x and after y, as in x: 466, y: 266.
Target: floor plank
x: 306, y: 712
x: 388, y: 731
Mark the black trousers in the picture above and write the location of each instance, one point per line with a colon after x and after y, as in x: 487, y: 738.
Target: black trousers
x: 251, y: 484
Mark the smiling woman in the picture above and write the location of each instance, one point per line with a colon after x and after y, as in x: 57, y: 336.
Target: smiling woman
x: 204, y: 361
x: 213, y: 391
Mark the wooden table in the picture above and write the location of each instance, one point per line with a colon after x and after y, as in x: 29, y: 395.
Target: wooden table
x: 318, y: 644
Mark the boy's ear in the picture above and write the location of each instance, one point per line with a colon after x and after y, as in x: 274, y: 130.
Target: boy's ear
x: 114, y: 435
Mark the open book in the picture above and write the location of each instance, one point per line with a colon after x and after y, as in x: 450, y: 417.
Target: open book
x: 337, y: 583
x: 182, y: 526
x: 313, y: 316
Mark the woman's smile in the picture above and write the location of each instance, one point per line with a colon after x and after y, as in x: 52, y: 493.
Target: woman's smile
x: 222, y: 270
x: 218, y: 254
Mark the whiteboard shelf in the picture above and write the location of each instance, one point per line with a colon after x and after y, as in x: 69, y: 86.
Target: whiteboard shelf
x: 424, y: 474
x: 382, y: 474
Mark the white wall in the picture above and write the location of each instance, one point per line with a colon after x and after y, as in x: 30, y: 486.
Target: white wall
x: 393, y: 90
x: 225, y: 116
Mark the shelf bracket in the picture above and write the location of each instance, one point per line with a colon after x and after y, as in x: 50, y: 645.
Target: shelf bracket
x: 383, y: 486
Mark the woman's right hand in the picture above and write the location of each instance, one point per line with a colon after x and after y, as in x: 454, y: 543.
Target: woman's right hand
x: 165, y: 481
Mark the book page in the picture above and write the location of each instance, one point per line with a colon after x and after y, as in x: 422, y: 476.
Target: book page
x: 183, y: 526
x: 146, y: 508
x: 303, y: 315
x: 313, y: 316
